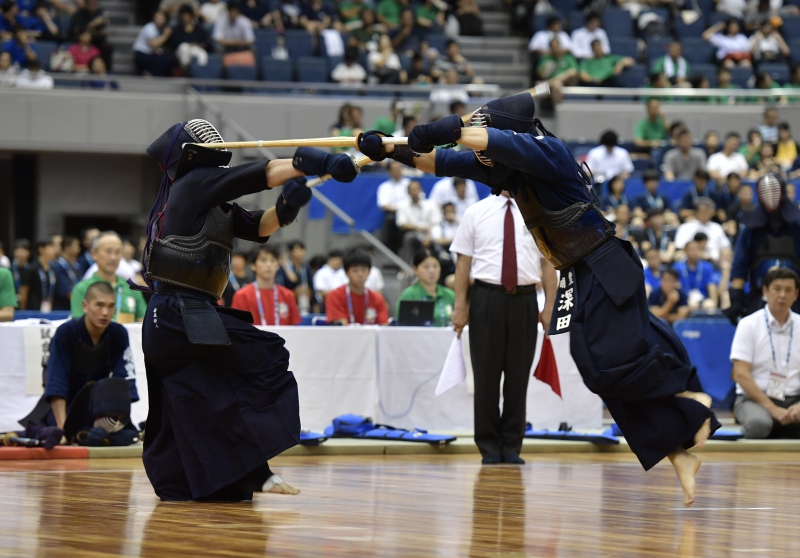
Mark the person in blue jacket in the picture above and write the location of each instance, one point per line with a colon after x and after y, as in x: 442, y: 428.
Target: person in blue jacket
x: 634, y: 361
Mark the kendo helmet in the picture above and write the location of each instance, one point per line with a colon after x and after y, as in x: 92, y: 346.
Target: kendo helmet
x: 771, y: 189
x: 509, y: 113
x: 169, y: 151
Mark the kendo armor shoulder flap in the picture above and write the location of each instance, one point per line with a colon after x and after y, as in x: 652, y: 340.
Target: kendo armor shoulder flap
x: 200, y: 262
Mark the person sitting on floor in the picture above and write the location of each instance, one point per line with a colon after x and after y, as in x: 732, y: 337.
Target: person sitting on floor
x: 90, y: 379
x: 354, y: 303
x: 766, y: 362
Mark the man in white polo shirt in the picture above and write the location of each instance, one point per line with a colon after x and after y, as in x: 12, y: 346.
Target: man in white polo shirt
x: 766, y: 362
x: 493, y: 245
x: 608, y: 160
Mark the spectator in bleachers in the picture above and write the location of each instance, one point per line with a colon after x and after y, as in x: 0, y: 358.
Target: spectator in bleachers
x: 767, y: 44
x: 674, y: 66
x: 668, y: 301
x: 705, y: 209
x: 454, y: 60
x: 651, y: 199
x: 558, y: 68
x: 656, y: 236
x: 622, y: 224
x: 457, y: 191
x: 429, y: 16
x: 354, y: 303
x: 741, y: 204
x: 33, y: 77
x: 766, y: 162
x: 752, y: 149
x: 764, y: 82
x: 700, y: 81
x: 698, y: 190
x: 418, y: 72
x: 296, y: 276
x: 150, y: 52
x: 444, y: 233
x: 350, y: 12
x: 212, y: 10
x: 651, y: 131
x: 733, y: 48
x: 428, y: 271
x: 459, y: 108
x: 729, y: 160
x: 19, y: 47
x: 786, y: 150
x: 470, y: 22
x: 240, y: 276
x: 583, y: 38
x: 68, y: 272
x: 735, y: 8
x: 128, y: 254
x: 602, y: 68
x: 724, y: 82
x: 317, y: 16
x: 268, y: 302
x: 259, y: 12
x: 406, y: 38
x: 769, y: 129
x: 8, y: 70
x: 171, y: 7
x: 760, y: 11
x: 367, y: 32
x: 349, y: 72
x: 189, y: 39
x: 698, y: 278
x: 83, y: 52
x: 387, y: 124
x: 429, y: 54
x: 416, y: 217
x: 540, y: 42
x: 764, y: 346
x: 286, y: 15
x: 683, y: 162
x: 38, y: 285
x: 388, y: 12
x: 453, y: 90
x: 234, y: 32
x: 711, y: 142
x: 408, y: 123
x: 384, y: 64
x: 614, y: 196
x: 609, y: 159
x: 21, y: 263
x: 390, y: 195
x: 98, y: 68
x: 8, y: 297
x: 91, y: 17
x: 652, y: 271
x: 330, y: 276
x: 9, y: 19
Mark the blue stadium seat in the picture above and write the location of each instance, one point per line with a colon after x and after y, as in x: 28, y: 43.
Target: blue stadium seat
x: 740, y: 76
x: 405, y: 62
x: 698, y: 51
x: 312, y: 69
x: 334, y: 61
x: 656, y: 48
x: 633, y: 76
x: 779, y: 71
x: 624, y: 46
x: 706, y: 6
x: 266, y: 39
x: 212, y: 70
x: 683, y: 31
x: 708, y: 70
x: 437, y: 41
x: 299, y: 43
x: 276, y: 70
x: 705, y: 340
x: 642, y: 164
x: 564, y: 6
x: 617, y: 22
x: 241, y: 73
x: 794, y: 45
x: 716, y: 17
x: 575, y: 20
x: 43, y: 51
x: 791, y: 27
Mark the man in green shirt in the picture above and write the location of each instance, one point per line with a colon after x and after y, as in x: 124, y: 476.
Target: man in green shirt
x: 8, y: 297
x: 602, y: 68
x: 107, y: 252
x: 651, y: 131
x: 389, y: 125
x: 674, y: 66
x: 724, y: 82
x: 557, y: 66
x: 388, y: 13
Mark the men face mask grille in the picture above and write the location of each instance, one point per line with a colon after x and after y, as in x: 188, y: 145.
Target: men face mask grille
x: 770, y: 192
x: 481, y: 120
x: 203, y: 131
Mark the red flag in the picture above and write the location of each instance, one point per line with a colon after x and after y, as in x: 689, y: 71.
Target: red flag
x: 547, y: 369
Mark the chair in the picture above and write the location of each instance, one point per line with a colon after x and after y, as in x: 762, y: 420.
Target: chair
x: 642, y: 164
x: 625, y: 46
x: 312, y: 69
x: 266, y: 39
x: 708, y: 70
x: 778, y: 71
x: 617, y: 22
x: 684, y: 31
x: 706, y: 341
x: 43, y: 51
x: 706, y: 6
x: 241, y: 73
x: 212, y: 70
x: 740, y: 76
x: 698, y: 51
x: 791, y: 27
x: 564, y: 6
x: 575, y: 20
x: 437, y: 41
x: 276, y: 70
x: 299, y: 43
x: 794, y: 45
x: 405, y: 62
x: 633, y: 76
x: 656, y: 48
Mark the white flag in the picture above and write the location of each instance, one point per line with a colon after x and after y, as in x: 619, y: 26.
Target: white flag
x: 454, y: 371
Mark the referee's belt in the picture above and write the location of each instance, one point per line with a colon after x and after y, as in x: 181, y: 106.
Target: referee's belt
x: 519, y: 290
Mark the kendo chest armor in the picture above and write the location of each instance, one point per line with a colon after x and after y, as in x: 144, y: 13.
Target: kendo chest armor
x: 773, y: 251
x: 201, y: 262
x: 566, y: 236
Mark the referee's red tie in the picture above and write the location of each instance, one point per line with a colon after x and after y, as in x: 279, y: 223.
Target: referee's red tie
x: 508, y: 277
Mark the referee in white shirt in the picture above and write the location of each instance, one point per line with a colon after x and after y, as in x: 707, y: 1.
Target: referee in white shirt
x: 766, y: 362
x: 493, y: 242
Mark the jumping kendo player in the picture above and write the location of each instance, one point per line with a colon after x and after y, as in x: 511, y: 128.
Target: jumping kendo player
x: 222, y: 399
x: 770, y: 237
x: 632, y: 360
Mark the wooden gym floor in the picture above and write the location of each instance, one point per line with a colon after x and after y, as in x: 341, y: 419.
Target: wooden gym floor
x: 417, y: 505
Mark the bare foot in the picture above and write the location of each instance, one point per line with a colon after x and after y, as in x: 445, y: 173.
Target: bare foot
x: 275, y: 485
x: 703, y: 434
x: 700, y: 397
x: 686, y: 466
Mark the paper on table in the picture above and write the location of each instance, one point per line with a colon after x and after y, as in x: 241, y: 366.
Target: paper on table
x: 454, y: 370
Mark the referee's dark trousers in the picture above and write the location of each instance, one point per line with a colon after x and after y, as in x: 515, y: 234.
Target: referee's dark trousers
x: 502, y: 341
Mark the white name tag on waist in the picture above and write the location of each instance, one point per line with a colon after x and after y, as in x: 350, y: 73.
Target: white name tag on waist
x: 776, y: 388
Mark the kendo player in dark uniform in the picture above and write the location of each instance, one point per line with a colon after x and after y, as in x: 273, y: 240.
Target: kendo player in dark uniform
x: 89, y: 378
x: 222, y: 400
x: 632, y: 360
x: 770, y: 237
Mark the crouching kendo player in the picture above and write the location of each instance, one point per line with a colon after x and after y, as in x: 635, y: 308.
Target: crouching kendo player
x: 633, y: 361
x: 222, y: 399
x: 90, y: 379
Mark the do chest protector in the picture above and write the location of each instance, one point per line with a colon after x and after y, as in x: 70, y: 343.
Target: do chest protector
x: 200, y: 262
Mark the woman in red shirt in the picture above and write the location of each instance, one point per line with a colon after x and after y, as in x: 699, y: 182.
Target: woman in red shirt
x: 270, y: 304
x: 83, y: 51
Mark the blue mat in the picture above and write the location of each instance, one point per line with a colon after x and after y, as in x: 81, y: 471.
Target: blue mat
x: 308, y: 438
x: 356, y: 426
x: 722, y: 434
x: 570, y: 436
